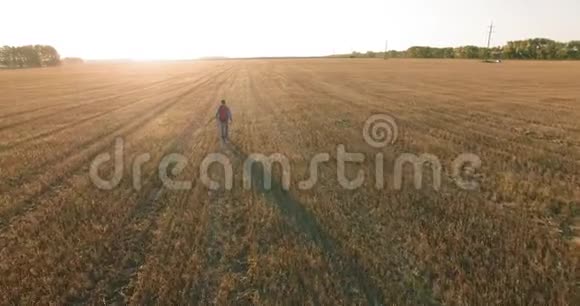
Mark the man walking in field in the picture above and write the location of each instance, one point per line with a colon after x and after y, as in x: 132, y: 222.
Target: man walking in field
x: 224, y: 118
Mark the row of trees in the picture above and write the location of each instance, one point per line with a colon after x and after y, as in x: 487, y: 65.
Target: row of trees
x: 538, y: 48
x: 29, y: 56
x: 541, y: 48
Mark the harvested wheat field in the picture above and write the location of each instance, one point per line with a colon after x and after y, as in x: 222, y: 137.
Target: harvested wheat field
x: 510, y: 240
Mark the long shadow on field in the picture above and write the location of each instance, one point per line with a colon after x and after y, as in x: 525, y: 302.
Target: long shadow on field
x: 295, y: 212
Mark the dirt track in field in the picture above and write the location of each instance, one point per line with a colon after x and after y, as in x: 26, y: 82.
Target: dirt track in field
x: 511, y: 241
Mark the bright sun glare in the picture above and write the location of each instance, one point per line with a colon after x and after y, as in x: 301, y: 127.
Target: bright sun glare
x: 180, y: 29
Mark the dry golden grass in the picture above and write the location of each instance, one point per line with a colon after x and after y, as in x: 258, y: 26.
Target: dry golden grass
x: 62, y: 240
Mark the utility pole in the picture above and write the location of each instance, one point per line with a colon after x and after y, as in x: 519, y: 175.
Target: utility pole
x: 489, y: 36
x: 386, y: 49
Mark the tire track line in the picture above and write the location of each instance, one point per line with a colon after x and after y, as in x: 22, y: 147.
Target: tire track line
x: 14, y: 145
x: 149, y: 114
x: 330, y: 245
x: 54, y: 105
x: 408, y: 123
x: 29, y: 203
x: 151, y: 206
x: 60, y: 112
x: 215, y: 251
x: 478, y: 128
x: 182, y: 197
x: 296, y: 214
x: 107, y: 88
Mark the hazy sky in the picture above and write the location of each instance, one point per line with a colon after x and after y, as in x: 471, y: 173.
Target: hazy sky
x: 171, y: 29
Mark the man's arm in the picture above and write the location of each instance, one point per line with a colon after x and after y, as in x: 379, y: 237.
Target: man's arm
x: 230, y: 115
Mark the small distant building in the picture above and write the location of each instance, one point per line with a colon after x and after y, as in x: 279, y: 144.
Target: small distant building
x: 73, y: 61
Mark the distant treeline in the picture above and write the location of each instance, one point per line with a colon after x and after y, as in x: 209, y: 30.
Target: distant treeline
x: 29, y: 56
x: 535, y: 49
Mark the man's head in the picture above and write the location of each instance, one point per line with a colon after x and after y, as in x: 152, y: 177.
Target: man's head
x: 223, y: 102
